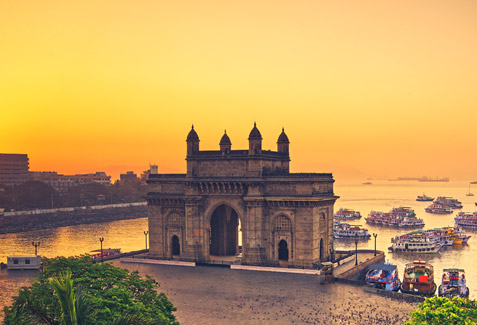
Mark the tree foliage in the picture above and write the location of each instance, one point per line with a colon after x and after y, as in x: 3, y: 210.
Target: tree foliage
x: 440, y: 310
x: 108, y: 295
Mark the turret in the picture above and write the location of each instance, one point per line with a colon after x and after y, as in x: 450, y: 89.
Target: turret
x: 225, y: 144
x: 254, y: 141
x: 192, y: 142
x: 283, y: 143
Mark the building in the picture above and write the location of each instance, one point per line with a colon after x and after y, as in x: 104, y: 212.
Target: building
x: 153, y: 169
x: 128, y: 176
x: 13, y: 169
x: 283, y: 218
x: 62, y: 183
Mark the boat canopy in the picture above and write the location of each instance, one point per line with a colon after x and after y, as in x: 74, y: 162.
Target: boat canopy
x: 453, y: 270
x: 384, y: 267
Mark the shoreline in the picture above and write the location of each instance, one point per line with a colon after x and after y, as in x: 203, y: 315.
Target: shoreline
x: 24, y: 221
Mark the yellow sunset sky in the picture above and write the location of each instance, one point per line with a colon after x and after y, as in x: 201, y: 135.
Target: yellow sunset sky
x: 363, y: 88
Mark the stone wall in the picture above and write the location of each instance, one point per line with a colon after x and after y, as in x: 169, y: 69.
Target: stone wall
x: 27, y: 222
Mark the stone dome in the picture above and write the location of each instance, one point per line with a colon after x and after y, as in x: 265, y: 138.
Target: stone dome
x: 192, y: 136
x: 255, y: 133
x: 282, y: 138
x: 225, y: 139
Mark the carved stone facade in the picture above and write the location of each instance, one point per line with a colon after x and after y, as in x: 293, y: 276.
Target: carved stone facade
x: 283, y: 217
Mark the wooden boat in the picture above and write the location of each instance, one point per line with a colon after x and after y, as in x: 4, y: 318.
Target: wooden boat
x: 453, y: 284
x: 419, y: 279
x: 24, y: 262
x: 383, y: 276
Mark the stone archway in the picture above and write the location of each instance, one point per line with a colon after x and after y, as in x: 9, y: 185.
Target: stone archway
x: 224, y: 235
x: 175, y: 246
x: 282, y: 250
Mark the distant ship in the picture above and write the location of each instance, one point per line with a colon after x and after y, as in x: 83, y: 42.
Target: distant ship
x: 422, y: 179
x: 428, y: 179
x: 367, y: 183
x: 469, y: 193
x: 424, y: 197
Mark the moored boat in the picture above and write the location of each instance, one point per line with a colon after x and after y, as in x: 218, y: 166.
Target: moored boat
x: 24, y: 262
x: 466, y: 220
x: 448, y: 202
x: 344, y: 230
x: 453, y: 284
x: 438, y: 209
x: 415, y: 242
x: 424, y: 197
x: 347, y: 214
x: 419, y: 279
x: 398, y: 217
x: 383, y: 276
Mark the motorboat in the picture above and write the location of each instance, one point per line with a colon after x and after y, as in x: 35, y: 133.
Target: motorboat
x: 419, y: 279
x: 383, y: 276
x: 453, y: 284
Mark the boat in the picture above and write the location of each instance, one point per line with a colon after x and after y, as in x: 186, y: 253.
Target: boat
x: 347, y: 214
x: 344, y: 230
x: 466, y: 220
x: 403, y: 217
x: 448, y: 202
x: 424, y: 197
x: 419, y: 279
x: 453, y: 284
x: 438, y: 209
x: 469, y: 193
x: 449, y: 236
x: 24, y: 262
x: 106, y: 252
x: 367, y: 183
x: 429, y: 179
x: 415, y: 242
x: 383, y: 276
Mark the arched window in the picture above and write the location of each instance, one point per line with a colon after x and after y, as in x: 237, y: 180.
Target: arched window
x: 174, y: 220
x: 323, y: 216
x: 282, y: 223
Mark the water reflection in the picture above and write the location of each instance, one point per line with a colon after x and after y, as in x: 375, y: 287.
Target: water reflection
x: 76, y: 240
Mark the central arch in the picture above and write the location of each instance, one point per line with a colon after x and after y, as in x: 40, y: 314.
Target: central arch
x: 224, y: 227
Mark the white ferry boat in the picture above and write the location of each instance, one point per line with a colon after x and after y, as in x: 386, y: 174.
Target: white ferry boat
x: 449, y: 202
x: 415, y: 243
x: 424, y: 197
x: 24, y: 262
x: 438, y: 209
x: 344, y: 230
x: 347, y: 214
x: 466, y: 220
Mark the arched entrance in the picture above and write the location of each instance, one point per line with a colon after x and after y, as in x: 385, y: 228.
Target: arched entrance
x: 176, y: 246
x: 224, y: 235
x: 283, y: 250
x: 322, y: 250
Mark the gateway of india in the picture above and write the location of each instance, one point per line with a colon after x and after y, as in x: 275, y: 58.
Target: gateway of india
x: 284, y: 218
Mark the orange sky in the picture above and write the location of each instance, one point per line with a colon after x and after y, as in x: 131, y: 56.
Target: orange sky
x: 363, y: 88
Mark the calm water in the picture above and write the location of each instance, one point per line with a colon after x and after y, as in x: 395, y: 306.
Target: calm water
x: 384, y: 195
x: 381, y: 196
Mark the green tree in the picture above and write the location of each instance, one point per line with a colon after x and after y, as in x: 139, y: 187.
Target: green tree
x: 33, y: 194
x: 110, y: 295
x: 440, y: 310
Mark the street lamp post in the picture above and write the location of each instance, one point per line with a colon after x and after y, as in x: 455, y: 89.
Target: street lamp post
x: 101, y: 240
x: 36, y: 244
x: 356, y: 249
x: 145, y: 235
x: 375, y: 235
